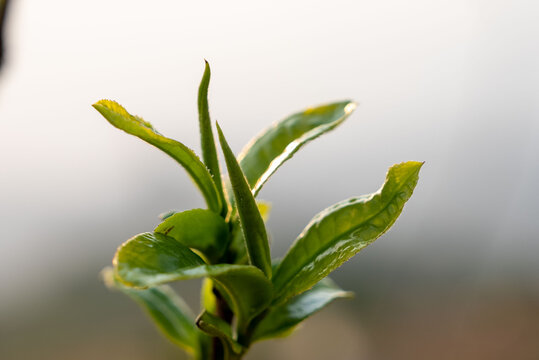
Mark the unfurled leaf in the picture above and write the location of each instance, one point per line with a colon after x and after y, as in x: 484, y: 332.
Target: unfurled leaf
x: 282, y: 319
x: 209, y: 152
x: 215, y: 326
x: 264, y: 154
x: 198, y: 229
x: 134, y: 125
x: 169, y: 312
x: 252, y: 224
x: 339, y: 232
x: 151, y: 259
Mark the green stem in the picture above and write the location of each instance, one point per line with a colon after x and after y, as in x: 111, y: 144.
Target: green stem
x: 225, y: 313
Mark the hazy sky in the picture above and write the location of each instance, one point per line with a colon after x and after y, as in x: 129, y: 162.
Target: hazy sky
x: 452, y: 83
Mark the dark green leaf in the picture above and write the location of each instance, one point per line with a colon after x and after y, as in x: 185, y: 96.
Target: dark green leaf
x: 151, y: 259
x: 198, y: 229
x: 342, y: 230
x: 282, y: 319
x: 209, y: 152
x: 268, y: 151
x: 252, y: 224
x: 169, y: 312
x: 134, y: 125
x: 215, y: 326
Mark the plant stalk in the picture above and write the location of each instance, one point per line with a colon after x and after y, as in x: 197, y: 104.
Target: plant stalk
x: 225, y: 313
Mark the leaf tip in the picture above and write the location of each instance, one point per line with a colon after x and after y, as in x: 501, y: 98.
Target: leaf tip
x: 99, y: 104
x: 219, y: 132
x: 409, y: 165
x: 417, y: 164
x: 104, y: 102
x: 106, y: 106
x: 404, y: 170
x: 350, y: 107
x: 207, y: 70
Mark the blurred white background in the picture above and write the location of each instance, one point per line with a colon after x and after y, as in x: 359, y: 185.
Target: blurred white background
x: 452, y: 83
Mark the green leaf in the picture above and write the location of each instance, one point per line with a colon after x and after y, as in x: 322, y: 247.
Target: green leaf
x: 245, y: 288
x: 165, y: 215
x: 237, y: 244
x: 263, y: 155
x: 134, y: 125
x: 342, y: 230
x: 282, y: 319
x: 209, y: 152
x: 252, y: 224
x: 207, y: 296
x: 168, y: 310
x: 215, y: 326
x: 198, y: 229
x: 150, y: 259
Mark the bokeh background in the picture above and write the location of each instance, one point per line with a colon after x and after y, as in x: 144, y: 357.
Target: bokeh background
x: 453, y: 83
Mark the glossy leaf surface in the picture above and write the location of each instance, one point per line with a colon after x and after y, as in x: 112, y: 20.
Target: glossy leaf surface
x: 252, y: 224
x: 215, y: 326
x: 263, y: 155
x: 281, y: 319
x: 151, y: 259
x: 134, y: 125
x: 209, y: 151
x: 342, y: 230
x: 169, y: 312
x: 198, y: 229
